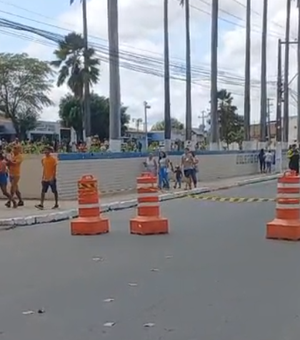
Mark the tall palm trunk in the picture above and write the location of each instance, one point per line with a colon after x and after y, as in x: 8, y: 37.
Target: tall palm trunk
x: 167, y: 77
x: 214, y: 138
x: 188, y: 107
x: 114, y: 77
x: 247, y: 73
x: 298, y: 78
x: 263, y: 86
x: 286, y: 74
x: 86, y: 97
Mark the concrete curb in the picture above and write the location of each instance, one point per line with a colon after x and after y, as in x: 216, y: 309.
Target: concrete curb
x: 11, y: 223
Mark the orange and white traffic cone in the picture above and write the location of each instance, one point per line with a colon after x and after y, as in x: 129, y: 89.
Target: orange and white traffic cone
x: 89, y: 221
x: 148, y: 220
x: 286, y: 225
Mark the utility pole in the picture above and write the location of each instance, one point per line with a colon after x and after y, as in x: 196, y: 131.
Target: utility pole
x: 298, y: 79
x: 247, y: 107
x: 214, y: 75
x: 146, y: 108
x: 279, y: 95
x: 269, y: 100
x: 263, y: 90
x: 114, y: 77
x: 203, y: 116
x: 286, y: 75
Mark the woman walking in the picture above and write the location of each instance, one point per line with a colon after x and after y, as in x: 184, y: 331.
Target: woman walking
x: 151, y: 165
x: 194, y: 169
x: 163, y: 164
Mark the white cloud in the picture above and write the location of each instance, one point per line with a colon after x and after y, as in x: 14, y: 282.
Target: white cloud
x: 141, y: 26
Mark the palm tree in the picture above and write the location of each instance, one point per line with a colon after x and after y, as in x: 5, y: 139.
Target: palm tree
x: 138, y: 122
x: 78, y: 68
x: 86, y: 83
x: 167, y: 117
x: 247, y: 100
x: 114, y: 75
x: 224, y: 98
x: 263, y: 76
x: 188, y: 108
x: 298, y: 78
x: 70, y: 62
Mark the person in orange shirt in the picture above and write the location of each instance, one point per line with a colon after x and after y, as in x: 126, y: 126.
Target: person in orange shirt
x: 49, y: 164
x: 14, y: 169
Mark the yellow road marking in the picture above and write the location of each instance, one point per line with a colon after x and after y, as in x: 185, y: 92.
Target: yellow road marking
x: 233, y: 199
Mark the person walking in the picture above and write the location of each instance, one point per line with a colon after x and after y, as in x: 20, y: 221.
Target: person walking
x: 151, y: 164
x: 294, y: 159
x: 187, y: 164
x: 49, y: 164
x: 163, y: 165
x: 262, y: 160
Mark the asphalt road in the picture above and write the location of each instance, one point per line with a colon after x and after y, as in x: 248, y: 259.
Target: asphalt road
x: 217, y: 279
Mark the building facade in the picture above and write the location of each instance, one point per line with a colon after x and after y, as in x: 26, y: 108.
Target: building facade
x: 255, y: 130
x: 49, y: 130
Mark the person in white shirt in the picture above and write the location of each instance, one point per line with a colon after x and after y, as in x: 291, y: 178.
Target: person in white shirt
x: 268, y: 160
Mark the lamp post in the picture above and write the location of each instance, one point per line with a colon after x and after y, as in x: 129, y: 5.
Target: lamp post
x: 146, y: 108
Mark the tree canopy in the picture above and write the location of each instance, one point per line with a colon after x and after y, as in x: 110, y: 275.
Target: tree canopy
x: 231, y: 124
x: 25, y: 84
x: 175, y: 124
x: 70, y: 63
x: 70, y: 113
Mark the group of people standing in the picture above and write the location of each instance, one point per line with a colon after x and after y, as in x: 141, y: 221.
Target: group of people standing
x: 266, y: 159
x: 186, y: 170
x: 10, y: 173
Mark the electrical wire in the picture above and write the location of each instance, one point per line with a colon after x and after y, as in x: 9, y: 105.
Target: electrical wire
x: 146, y: 64
x: 242, y: 20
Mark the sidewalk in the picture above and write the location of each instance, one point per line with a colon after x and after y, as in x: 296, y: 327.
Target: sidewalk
x: 29, y: 215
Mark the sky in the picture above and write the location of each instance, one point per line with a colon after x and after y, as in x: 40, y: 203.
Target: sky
x: 141, y: 32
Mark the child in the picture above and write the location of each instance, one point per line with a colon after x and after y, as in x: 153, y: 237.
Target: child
x: 178, y: 177
x: 4, y: 180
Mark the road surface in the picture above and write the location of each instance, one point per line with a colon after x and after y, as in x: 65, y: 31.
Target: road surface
x: 215, y: 278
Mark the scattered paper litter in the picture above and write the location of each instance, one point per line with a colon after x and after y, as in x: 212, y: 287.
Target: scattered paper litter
x: 132, y: 284
x: 97, y: 259
x: 28, y: 312
x: 109, y: 324
x: 109, y: 300
x: 149, y: 324
x: 155, y: 270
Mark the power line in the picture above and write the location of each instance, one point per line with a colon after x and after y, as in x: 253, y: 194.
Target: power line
x: 138, y: 62
x: 257, y: 30
x: 275, y: 34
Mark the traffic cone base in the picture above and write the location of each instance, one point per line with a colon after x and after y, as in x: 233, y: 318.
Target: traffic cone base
x: 89, y: 226
x: 283, y: 230
x: 149, y: 225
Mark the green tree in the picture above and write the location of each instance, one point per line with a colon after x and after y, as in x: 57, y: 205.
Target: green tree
x: 175, y: 124
x: 70, y: 56
x: 25, y: 85
x: 231, y: 124
x: 70, y: 114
